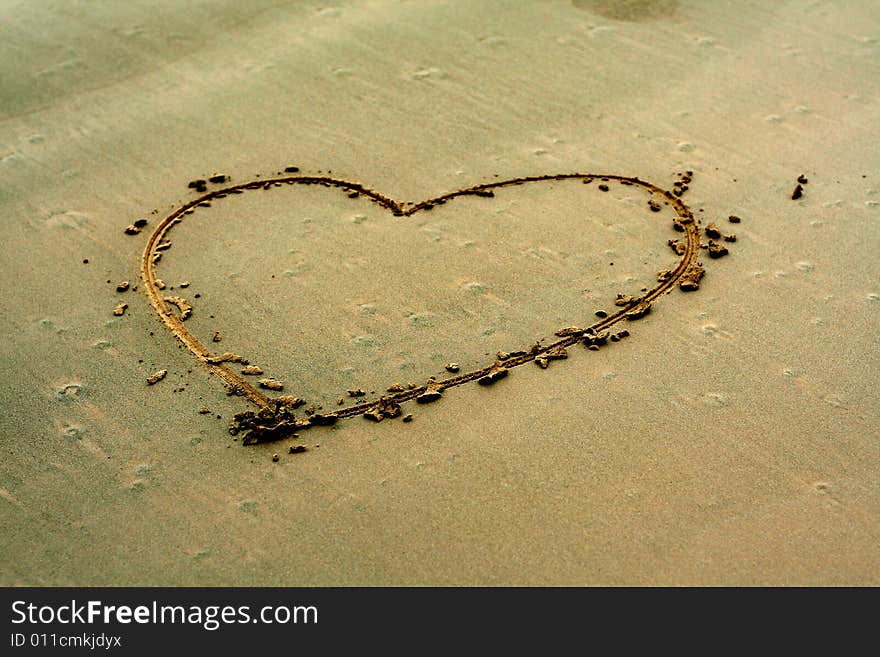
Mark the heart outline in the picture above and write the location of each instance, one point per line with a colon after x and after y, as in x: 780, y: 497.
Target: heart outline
x: 688, y: 265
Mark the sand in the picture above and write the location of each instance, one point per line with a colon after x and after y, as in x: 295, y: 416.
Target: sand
x: 730, y: 439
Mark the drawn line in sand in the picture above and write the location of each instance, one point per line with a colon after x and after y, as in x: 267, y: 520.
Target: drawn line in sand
x: 275, y: 417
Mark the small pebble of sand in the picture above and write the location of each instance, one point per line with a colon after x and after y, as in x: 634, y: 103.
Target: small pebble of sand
x: 156, y: 377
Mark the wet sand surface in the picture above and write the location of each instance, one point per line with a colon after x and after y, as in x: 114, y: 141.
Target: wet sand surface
x: 731, y: 438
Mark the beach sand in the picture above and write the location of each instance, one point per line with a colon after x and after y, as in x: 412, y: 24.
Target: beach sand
x: 731, y: 439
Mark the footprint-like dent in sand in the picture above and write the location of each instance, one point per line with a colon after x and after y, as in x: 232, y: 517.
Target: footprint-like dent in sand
x: 69, y: 392
x: 630, y: 11
x: 72, y: 431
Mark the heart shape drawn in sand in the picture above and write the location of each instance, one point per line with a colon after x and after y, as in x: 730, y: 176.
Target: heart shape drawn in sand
x: 275, y: 417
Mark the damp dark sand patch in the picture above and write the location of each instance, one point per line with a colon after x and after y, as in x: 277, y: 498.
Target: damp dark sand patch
x: 274, y: 418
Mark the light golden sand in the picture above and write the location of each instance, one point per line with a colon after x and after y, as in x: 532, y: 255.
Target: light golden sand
x: 732, y: 439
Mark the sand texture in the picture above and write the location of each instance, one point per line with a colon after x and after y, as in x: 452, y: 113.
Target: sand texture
x: 439, y: 268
